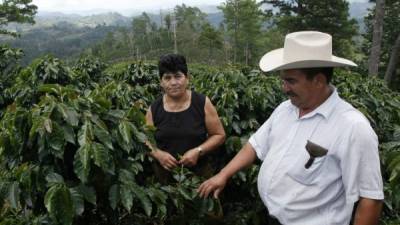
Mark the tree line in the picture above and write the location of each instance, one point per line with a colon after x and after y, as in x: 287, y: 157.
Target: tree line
x: 248, y: 30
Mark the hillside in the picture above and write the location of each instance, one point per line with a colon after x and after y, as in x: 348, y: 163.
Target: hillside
x: 67, y: 35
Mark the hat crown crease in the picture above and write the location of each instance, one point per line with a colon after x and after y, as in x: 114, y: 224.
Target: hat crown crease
x: 301, y: 46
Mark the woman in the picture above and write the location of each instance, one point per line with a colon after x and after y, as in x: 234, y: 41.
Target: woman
x: 188, y: 126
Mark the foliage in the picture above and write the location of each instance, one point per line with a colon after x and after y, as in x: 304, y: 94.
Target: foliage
x: 190, y: 22
x: 72, y: 143
x: 8, y: 68
x: 391, y: 30
x: 211, y: 39
x: 243, y: 21
x: 326, y: 16
x: 74, y: 149
x: 17, y: 11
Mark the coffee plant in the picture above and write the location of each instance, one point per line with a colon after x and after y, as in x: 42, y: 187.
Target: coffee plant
x: 72, y: 142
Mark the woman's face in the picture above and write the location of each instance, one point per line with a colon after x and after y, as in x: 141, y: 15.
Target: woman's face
x: 174, y: 84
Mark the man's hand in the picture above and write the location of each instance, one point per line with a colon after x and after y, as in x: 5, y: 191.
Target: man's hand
x: 166, y: 160
x: 215, y: 184
x: 190, y: 158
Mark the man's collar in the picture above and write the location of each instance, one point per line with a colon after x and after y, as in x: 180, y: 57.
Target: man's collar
x: 325, y: 109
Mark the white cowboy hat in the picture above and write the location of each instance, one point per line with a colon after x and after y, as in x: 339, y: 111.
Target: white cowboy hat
x: 304, y: 49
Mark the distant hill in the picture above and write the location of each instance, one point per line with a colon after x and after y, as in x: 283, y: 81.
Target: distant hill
x: 67, y: 35
x: 215, y: 19
x: 50, y: 19
x: 63, y: 35
x: 64, y: 40
x: 47, y: 19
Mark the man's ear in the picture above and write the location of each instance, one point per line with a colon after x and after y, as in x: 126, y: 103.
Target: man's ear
x: 320, y: 79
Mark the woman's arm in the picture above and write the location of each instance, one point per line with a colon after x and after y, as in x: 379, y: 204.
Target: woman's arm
x: 165, y: 159
x: 215, y: 130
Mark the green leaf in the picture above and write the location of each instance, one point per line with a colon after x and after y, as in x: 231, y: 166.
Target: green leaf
x: 54, y: 178
x: 139, y: 135
x: 82, y: 162
x: 69, y: 134
x: 113, y: 196
x: 47, y: 125
x: 160, y: 199
x: 56, y: 141
x: 37, y: 126
x: 89, y: 194
x: 126, y: 197
x: 85, y: 134
x: 103, y: 136
x: 103, y: 102
x: 125, y: 176
x: 13, y: 194
x: 394, y: 161
x: 59, y: 204
x: 69, y: 114
x: 102, y: 158
x: 236, y: 127
x: 185, y: 193
x: 124, y: 130
x: 77, y: 199
x: 144, y: 199
x: 50, y: 88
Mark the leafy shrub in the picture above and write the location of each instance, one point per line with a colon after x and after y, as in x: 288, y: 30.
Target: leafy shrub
x: 72, y: 143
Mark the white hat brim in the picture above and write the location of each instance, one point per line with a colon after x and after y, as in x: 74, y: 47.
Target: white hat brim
x: 273, y: 61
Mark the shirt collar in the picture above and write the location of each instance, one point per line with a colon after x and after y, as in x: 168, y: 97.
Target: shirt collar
x: 325, y: 109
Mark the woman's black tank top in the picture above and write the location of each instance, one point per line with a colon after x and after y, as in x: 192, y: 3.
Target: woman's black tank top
x: 178, y: 132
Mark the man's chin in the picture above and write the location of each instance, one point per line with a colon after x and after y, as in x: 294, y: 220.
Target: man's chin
x: 294, y: 102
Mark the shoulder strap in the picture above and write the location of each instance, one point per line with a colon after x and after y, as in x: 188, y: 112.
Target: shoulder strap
x: 198, y: 102
x: 155, y: 108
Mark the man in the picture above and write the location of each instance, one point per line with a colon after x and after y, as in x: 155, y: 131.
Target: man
x: 320, y: 155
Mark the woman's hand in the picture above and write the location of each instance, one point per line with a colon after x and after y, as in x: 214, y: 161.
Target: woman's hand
x: 190, y: 158
x: 166, y: 160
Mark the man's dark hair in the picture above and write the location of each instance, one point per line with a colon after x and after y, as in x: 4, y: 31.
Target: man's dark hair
x: 312, y: 72
x: 172, y: 63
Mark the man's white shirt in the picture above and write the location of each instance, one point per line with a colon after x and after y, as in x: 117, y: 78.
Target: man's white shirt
x: 325, y: 193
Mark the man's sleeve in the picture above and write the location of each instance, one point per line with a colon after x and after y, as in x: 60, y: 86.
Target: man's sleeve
x: 361, y: 173
x: 260, y: 139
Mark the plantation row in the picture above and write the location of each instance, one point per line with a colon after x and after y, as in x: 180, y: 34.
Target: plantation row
x: 72, y: 142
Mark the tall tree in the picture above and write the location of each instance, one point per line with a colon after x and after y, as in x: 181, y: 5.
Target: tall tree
x: 16, y: 11
x: 143, y: 31
x: 189, y: 21
x: 373, y: 64
x: 243, y: 19
x: 389, y: 55
x: 211, y: 39
x: 393, y: 61
x: 326, y: 16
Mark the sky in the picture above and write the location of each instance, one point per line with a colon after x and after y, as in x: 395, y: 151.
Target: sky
x: 116, y: 5
x: 122, y: 6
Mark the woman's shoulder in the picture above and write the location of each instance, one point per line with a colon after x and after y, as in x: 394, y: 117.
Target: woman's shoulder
x: 199, y: 97
x: 156, y: 104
